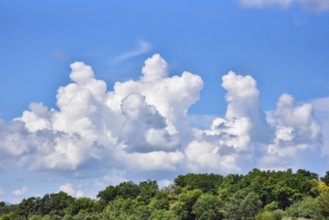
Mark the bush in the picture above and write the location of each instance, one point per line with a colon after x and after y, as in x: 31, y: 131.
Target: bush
x: 267, y: 215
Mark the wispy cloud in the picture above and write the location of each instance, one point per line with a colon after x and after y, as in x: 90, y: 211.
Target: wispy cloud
x: 308, y: 5
x: 265, y: 3
x: 315, y: 5
x: 142, y: 48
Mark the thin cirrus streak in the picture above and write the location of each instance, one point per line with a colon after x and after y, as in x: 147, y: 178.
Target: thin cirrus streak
x: 142, y: 48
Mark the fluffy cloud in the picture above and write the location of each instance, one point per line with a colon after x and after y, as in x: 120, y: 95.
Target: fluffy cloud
x: 153, y: 132
x: 139, y: 123
x: 142, y: 126
x: 248, y: 138
x: 69, y: 189
x: 310, y: 5
x: 231, y: 141
x: 20, y: 191
x: 295, y: 130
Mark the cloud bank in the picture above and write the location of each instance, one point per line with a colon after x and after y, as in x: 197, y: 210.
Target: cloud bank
x: 142, y: 127
x: 309, y: 5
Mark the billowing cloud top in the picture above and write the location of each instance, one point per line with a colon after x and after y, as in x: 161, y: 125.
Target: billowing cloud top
x: 142, y: 126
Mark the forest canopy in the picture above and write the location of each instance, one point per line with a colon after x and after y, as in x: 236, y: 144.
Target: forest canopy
x: 256, y: 195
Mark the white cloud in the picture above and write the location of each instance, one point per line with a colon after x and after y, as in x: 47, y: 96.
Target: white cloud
x: 315, y: 5
x: 231, y: 141
x: 2, y: 192
x: 153, y: 132
x: 295, y: 130
x: 309, y: 5
x: 206, y: 156
x: 142, y: 126
x: 70, y: 190
x: 321, y: 109
x: 266, y: 3
x: 20, y: 191
x: 139, y: 123
x: 79, y: 194
x: 155, y: 69
x: 143, y: 47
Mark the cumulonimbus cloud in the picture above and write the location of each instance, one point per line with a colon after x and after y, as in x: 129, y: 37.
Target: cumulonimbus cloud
x: 143, y: 126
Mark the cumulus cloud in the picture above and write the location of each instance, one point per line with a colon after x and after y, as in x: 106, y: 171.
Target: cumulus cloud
x: 231, y: 141
x: 143, y: 126
x: 246, y: 137
x: 140, y: 123
x: 20, y: 191
x: 309, y: 5
x: 295, y: 130
x: 69, y: 189
x: 153, y: 132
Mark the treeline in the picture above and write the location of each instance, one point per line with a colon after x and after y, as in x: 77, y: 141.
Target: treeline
x: 258, y: 195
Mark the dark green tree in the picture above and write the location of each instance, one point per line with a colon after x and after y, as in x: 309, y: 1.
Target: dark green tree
x: 325, y: 178
x: 55, y: 203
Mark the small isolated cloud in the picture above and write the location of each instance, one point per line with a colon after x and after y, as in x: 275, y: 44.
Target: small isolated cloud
x: 142, y: 48
x: 309, y: 5
x: 20, y: 191
x: 2, y: 192
x: 266, y: 3
x: 69, y: 189
x: 315, y: 5
x: 60, y: 55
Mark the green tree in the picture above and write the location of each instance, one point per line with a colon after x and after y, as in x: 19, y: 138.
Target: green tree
x: 162, y: 214
x: 306, y: 208
x: 55, y: 203
x: 28, y: 207
x: 147, y: 190
x: 325, y: 178
x: 108, y: 194
x: 269, y: 215
x: 83, y: 205
x: 186, y: 200
x: 323, y: 203
x: 208, y: 207
x: 242, y: 204
x: 207, y: 183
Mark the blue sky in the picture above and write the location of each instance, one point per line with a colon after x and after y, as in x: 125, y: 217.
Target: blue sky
x: 281, y: 44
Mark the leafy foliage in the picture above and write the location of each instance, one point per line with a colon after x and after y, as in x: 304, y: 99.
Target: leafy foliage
x: 256, y: 195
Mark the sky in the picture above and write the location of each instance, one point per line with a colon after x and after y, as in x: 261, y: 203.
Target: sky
x: 93, y: 93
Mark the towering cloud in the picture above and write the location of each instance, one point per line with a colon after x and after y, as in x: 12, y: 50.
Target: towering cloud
x: 231, y: 141
x: 142, y: 126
